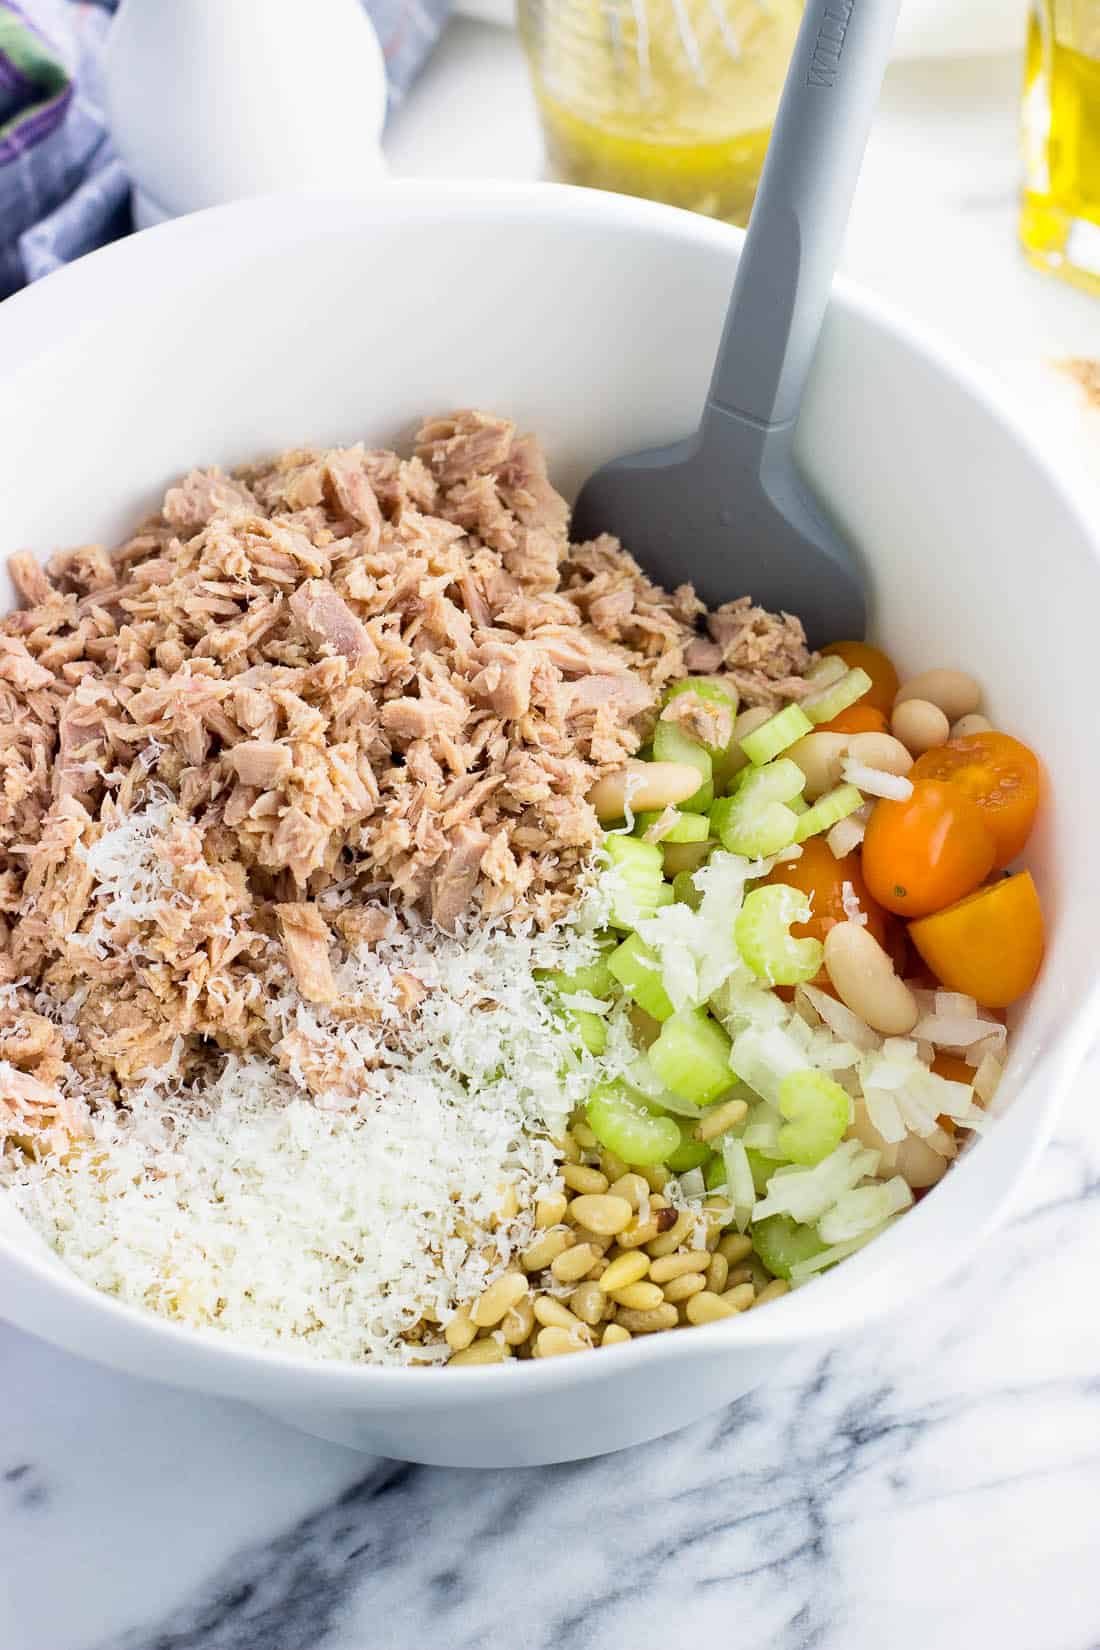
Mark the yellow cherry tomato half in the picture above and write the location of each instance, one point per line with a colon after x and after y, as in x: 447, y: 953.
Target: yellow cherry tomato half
x: 998, y: 773
x: 989, y: 946
x: 926, y: 852
x: 884, y: 678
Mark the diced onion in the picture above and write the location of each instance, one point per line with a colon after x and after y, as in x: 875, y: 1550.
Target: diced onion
x: 846, y: 836
x: 692, y: 1184
x: 987, y: 1077
x: 877, y: 782
x: 953, y: 1030
x: 841, y: 1020
x: 863, y: 1210
x: 739, y: 1181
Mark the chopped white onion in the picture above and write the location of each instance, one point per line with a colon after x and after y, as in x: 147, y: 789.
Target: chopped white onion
x: 863, y: 1210
x: 952, y: 1030
x: 987, y: 1077
x: 692, y: 1184
x: 846, y: 836
x: 877, y: 782
x: 885, y: 1115
x: 739, y: 1181
x: 841, y: 1020
x: 954, y: 1002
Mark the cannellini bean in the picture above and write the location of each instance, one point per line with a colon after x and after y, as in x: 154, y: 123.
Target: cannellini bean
x: 820, y: 756
x: 953, y: 691
x: 917, y: 1163
x: 748, y: 722
x: 970, y: 724
x: 920, y: 725
x: 877, y: 750
x: 865, y: 981
x: 652, y: 786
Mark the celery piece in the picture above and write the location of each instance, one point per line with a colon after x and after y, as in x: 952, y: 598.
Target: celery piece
x: 685, y: 828
x: 755, y: 820
x: 786, y: 728
x: 827, y: 811
x: 624, y: 1124
x: 691, y: 1057
x: 689, y: 1154
x: 639, y: 882
x: 817, y: 1110
x: 782, y: 1243
x: 590, y: 1029
x: 671, y: 744
x: 764, y: 939
x: 714, y: 1173
x: 711, y: 692
x: 686, y: 856
x: 762, y: 1169
x: 636, y: 967
x: 594, y: 979
x: 837, y: 696
x: 685, y: 891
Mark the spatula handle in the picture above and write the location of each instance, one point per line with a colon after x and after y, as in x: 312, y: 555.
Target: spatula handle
x: 801, y: 209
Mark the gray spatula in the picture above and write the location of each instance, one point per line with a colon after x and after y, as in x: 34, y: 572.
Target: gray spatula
x: 727, y: 507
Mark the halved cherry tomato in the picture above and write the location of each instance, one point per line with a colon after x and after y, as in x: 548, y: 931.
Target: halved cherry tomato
x: 884, y: 678
x: 988, y: 946
x: 927, y: 852
x: 998, y: 773
x: 858, y: 718
x: 822, y: 876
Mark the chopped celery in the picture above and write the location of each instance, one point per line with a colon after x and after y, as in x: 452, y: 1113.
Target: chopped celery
x: 624, y: 1125
x: 691, y: 1057
x: 640, y: 888
x: 715, y: 695
x: 754, y: 821
x: 817, y: 1110
x: 685, y: 891
x: 775, y: 735
x: 596, y: 979
x: 762, y: 1057
x: 686, y: 856
x: 827, y: 811
x: 590, y: 1028
x: 782, y: 1243
x: 689, y: 1154
x: 764, y: 939
x: 762, y: 1169
x: 671, y: 744
x: 685, y: 827
x: 714, y: 1174
x: 829, y: 701
x: 636, y: 968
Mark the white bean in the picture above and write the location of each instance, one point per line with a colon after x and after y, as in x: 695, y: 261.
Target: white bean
x: 956, y: 693
x: 652, y: 785
x: 748, y: 722
x: 920, y: 725
x: 864, y: 978
x: 820, y: 756
x: 971, y: 724
x: 878, y: 750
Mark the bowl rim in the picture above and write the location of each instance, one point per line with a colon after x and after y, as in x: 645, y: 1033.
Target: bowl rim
x: 30, y: 324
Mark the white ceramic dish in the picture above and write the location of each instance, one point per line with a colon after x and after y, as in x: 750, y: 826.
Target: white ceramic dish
x: 592, y: 319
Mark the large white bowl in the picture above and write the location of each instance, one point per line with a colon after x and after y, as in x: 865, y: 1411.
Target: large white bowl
x: 592, y: 320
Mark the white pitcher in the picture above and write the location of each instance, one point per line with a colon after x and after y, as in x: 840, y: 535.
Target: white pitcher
x: 212, y: 100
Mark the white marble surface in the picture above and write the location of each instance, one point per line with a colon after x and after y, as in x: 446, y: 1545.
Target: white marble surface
x: 933, y: 1483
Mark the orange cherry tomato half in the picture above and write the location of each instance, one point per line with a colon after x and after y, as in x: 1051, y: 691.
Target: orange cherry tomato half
x: 927, y: 852
x: 819, y: 874
x: 858, y: 718
x: 884, y: 678
x: 1000, y: 775
x: 988, y: 946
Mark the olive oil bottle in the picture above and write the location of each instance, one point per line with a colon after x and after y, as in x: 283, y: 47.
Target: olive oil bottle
x: 1060, y: 222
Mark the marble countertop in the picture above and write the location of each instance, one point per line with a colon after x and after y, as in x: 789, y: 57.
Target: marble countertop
x: 932, y: 1483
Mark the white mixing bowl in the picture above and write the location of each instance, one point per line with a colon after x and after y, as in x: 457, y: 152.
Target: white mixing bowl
x: 592, y: 320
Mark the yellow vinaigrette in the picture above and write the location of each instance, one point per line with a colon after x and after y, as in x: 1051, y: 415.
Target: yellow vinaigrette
x: 1060, y: 222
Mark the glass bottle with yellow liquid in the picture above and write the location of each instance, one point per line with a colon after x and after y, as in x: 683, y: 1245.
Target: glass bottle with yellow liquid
x: 670, y: 99
x: 1060, y: 223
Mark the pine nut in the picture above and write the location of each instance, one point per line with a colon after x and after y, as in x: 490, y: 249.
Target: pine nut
x: 518, y: 1321
x: 667, y: 1243
x: 820, y: 756
x: 735, y: 1246
x: 613, y: 1167
x: 740, y: 1274
x: 508, y: 1207
x: 603, y: 1213
x: 615, y: 1335
x: 584, y: 1137
x: 631, y: 1186
x: 570, y: 1151
x: 920, y: 725
x: 717, y: 1274
x: 648, y: 1323
x: 952, y: 691
x: 580, y: 1178
x: 624, y: 1270
x: 554, y: 1315
x: 551, y: 1343
x: 600, y: 1241
x: 678, y: 1266
x: 708, y: 1308
x: 651, y: 786
x: 720, y: 1118
x: 966, y: 725
x: 588, y: 1301
x: 656, y: 1176
x: 682, y: 1289
x: 777, y: 1287
x: 639, y: 1232
x: 479, y: 1352
x: 740, y: 1298
x: 498, y: 1299
x: 460, y: 1331
x: 546, y: 1248
x: 571, y: 1265
x: 640, y: 1297
x: 550, y: 1209
x: 881, y: 751
x: 865, y: 981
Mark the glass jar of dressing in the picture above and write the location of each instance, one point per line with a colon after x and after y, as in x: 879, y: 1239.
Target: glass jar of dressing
x: 1060, y: 223
x: 670, y: 99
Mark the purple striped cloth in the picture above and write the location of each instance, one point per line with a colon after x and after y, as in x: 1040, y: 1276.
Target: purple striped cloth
x: 63, y: 190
